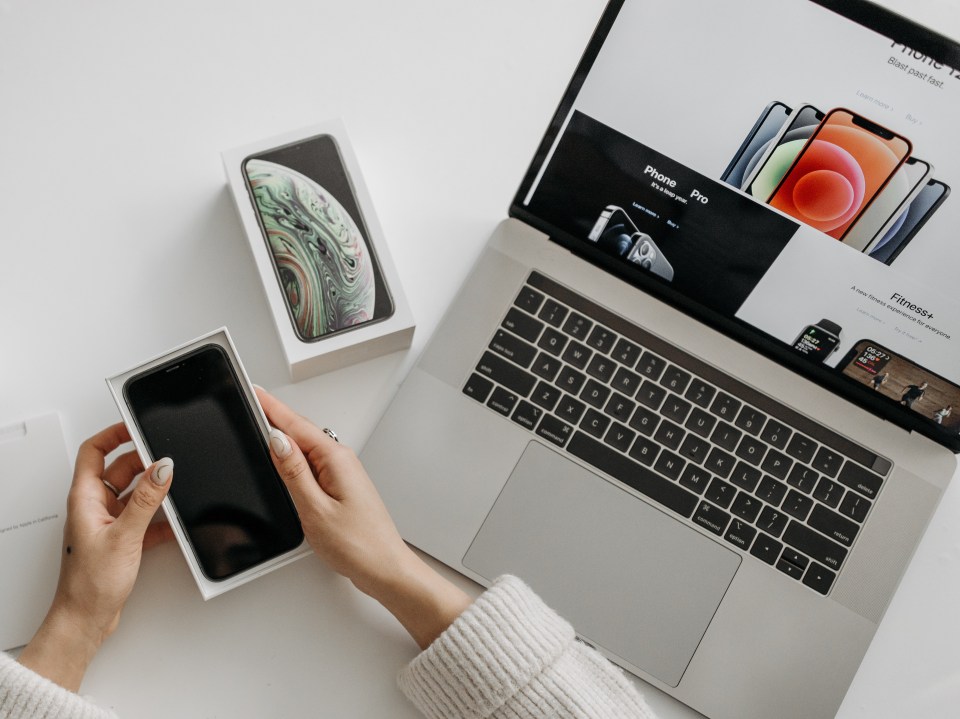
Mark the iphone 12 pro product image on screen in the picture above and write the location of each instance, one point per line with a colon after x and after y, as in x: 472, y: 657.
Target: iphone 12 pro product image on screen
x: 320, y: 246
x: 768, y: 166
x: 887, y: 248
x: 756, y: 142
x: 839, y: 171
x: 226, y: 493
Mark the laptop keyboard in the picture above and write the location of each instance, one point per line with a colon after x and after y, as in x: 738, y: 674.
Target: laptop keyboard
x: 772, y: 483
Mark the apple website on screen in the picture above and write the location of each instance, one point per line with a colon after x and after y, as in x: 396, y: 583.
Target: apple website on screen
x: 783, y: 166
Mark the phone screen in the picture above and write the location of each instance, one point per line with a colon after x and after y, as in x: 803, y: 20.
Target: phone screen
x: 322, y: 253
x: 765, y: 170
x: 227, y: 494
x: 839, y: 172
x: 756, y: 142
x: 888, y: 247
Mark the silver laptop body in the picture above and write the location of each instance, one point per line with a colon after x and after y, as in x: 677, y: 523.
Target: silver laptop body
x: 711, y: 573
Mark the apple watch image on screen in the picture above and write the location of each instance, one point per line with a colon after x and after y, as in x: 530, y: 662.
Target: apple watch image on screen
x: 616, y: 234
x: 818, y: 341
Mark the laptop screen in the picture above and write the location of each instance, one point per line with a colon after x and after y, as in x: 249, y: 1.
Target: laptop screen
x: 782, y: 171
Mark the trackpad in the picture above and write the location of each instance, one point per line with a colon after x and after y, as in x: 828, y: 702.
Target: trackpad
x: 629, y: 577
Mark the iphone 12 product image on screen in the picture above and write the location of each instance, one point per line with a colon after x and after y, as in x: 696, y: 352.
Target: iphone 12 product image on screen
x: 764, y: 129
x: 771, y: 162
x: 840, y: 170
x: 888, y: 248
x: 889, y: 205
x: 228, y: 497
x: 321, y: 249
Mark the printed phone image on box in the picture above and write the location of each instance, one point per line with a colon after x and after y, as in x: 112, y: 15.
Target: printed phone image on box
x: 322, y: 252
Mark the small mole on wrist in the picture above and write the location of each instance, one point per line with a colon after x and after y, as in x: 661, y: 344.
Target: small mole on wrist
x: 69, y: 549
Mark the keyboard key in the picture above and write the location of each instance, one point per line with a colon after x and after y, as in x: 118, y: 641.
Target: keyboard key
x: 700, y: 393
x: 766, y: 548
x: 522, y: 324
x: 546, y: 366
x: 803, y: 478
x: 669, y: 434
x: 595, y: 394
x: 819, y: 578
x: 577, y: 354
x: 626, y: 381
x: 795, y: 558
x: 797, y: 505
x: 814, y: 545
x: 577, y: 326
x: 827, y: 461
x: 601, y: 339
x: 777, y: 464
x: 626, y: 352
x: 828, y: 492
x: 675, y: 408
x: 701, y: 422
x: 669, y: 465
x: 833, y: 525
x: 505, y: 344
x: 695, y: 479
x: 601, y: 367
x: 719, y: 462
x: 546, y: 395
x: 725, y: 406
x: 750, y: 449
x: 726, y: 436
x: 651, y: 366
x: 746, y: 507
x: 771, y: 491
x: 745, y: 476
x: 570, y: 380
x: 772, y: 521
x: 711, y: 518
x: 740, y: 534
x: 570, y: 409
x: 776, y: 434
x: 595, y: 423
x: 860, y: 479
x: 529, y: 299
x: 855, y: 507
x: 670, y: 495
x: 720, y: 493
x: 526, y: 414
x: 694, y: 448
x: 502, y: 400
x: 552, y: 341
x: 554, y: 430
x: 802, y: 448
x: 750, y: 420
x: 644, y: 421
x: 478, y: 387
x: 675, y: 379
x: 553, y: 313
x: 644, y: 451
x: 651, y: 395
x: 619, y: 437
x: 506, y: 373
x: 619, y: 407
x: 789, y: 568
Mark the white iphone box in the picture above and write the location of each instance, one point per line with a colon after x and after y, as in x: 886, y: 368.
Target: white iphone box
x: 228, y: 507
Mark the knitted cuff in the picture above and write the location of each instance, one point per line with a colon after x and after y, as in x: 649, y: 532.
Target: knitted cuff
x: 507, y: 637
x: 26, y: 695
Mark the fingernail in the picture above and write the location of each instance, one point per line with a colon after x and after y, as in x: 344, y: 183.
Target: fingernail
x: 162, y: 471
x: 279, y: 443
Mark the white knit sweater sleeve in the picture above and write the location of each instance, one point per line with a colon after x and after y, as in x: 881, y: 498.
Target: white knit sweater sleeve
x: 26, y: 695
x: 509, y: 656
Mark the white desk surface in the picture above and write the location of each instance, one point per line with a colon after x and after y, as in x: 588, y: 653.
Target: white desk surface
x: 120, y: 240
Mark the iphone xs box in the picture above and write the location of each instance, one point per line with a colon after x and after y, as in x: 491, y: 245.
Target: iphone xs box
x: 322, y: 258
x: 229, y: 509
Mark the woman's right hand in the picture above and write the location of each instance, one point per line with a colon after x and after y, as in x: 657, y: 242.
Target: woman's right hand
x: 348, y: 526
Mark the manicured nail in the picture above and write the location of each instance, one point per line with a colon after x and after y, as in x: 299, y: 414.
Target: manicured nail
x: 280, y: 444
x: 162, y: 471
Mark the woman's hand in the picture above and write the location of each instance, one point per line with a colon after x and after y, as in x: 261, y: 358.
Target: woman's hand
x: 103, y: 540
x: 349, y: 527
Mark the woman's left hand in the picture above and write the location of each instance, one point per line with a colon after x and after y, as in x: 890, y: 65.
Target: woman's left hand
x: 103, y: 541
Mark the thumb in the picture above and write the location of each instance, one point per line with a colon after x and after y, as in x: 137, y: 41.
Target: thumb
x: 295, y: 471
x: 145, y: 498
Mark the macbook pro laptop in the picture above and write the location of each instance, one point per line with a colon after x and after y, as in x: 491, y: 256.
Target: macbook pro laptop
x: 700, y: 390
